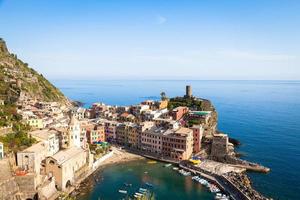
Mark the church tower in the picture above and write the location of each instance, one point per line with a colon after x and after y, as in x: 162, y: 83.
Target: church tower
x: 74, y: 132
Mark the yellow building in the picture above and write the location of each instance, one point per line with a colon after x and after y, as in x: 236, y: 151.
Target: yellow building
x: 163, y: 104
x: 36, y: 123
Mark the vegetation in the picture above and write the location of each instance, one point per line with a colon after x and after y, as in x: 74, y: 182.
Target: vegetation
x: 17, y: 77
x: 192, y: 122
x: 17, y: 139
x: 99, y: 149
x: 188, y: 102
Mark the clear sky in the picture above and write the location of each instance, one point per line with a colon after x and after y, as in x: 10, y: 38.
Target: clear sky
x: 155, y: 39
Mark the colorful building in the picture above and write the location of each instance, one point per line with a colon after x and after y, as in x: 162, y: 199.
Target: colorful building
x: 35, y: 123
x: 178, y: 145
x: 197, y: 137
x: 179, y: 112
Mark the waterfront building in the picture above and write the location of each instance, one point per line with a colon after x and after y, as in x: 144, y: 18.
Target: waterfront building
x: 1, y: 102
x: 97, y: 134
x: 50, y: 137
x: 67, y: 166
x: 179, y: 112
x: 151, y: 140
x: 197, y: 137
x: 110, y: 130
x: 178, y: 144
x: 220, y: 145
x: 127, y: 134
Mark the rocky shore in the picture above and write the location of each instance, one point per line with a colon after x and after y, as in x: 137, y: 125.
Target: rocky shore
x: 243, y: 183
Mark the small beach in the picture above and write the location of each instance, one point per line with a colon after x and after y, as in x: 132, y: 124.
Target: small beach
x: 120, y: 156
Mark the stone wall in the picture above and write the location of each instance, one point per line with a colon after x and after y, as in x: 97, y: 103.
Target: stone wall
x: 27, y: 185
x: 9, y: 189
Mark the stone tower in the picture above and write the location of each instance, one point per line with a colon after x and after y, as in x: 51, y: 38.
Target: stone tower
x: 188, y: 91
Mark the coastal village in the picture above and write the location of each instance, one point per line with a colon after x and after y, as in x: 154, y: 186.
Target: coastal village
x: 72, y: 142
x: 49, y: 145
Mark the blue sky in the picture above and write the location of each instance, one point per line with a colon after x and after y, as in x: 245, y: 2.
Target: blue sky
x: 149, y: 39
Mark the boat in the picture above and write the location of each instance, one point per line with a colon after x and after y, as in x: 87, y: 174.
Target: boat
x: 175, y: 168
x: 185, y: 173
x: 138, y: 194
x: 142, y: 190
x: 220, y: 196
x: 152, y: 162
x: 123, y: 191
x: 168, y: 165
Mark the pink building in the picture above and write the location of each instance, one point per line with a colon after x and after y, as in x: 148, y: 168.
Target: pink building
x: 178, y: 113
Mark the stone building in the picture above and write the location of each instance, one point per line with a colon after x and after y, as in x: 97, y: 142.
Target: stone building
x: 67, y: 166
x: 220, y: 145
x: 31, y: 158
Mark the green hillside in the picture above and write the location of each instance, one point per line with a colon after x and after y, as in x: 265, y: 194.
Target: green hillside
x: 17, y: 78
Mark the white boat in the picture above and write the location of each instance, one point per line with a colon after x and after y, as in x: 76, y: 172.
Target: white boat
x: 168, y: 165
x: 175, y: 168
x: 138, y: 194
x: 123, y: 191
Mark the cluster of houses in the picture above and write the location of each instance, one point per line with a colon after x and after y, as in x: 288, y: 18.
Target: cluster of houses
x: 64, y: 134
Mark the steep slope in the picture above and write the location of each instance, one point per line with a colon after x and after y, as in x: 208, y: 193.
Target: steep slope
x: 17, y: 79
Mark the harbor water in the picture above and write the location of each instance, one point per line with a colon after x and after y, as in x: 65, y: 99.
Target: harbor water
x: 263, y: 115
x: 165, y: 182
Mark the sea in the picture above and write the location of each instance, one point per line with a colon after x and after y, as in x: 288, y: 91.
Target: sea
x: 263, y: 115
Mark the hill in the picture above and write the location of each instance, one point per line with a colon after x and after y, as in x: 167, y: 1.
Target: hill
x: 17, y: 80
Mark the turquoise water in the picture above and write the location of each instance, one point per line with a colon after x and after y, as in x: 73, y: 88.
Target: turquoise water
x: 167, y: 183
x: 263, y: 115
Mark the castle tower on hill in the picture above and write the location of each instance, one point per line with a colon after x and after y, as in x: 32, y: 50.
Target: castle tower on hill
x: 188, y: 91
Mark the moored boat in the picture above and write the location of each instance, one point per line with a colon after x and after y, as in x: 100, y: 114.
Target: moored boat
x: 123, y: 191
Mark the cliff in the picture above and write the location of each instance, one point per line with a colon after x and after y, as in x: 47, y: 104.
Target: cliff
x: 18, y: 79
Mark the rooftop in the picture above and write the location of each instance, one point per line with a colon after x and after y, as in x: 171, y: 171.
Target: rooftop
x: 43, y: 134
x: 36, y: 148
x: 183, y: 131
x: 65, y: 155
